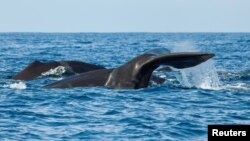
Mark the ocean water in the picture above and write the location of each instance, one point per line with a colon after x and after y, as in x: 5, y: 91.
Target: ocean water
x: 215, y: 92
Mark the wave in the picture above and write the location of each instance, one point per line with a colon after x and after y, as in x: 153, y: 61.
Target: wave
x: 238, y: 86
x: 16, y: 85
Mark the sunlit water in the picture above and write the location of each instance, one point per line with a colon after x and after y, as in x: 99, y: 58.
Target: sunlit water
x: 215, y: 92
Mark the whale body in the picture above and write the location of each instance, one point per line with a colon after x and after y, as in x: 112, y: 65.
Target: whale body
x: 136, y: 73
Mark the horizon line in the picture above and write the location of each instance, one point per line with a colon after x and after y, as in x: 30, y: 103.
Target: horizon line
x: 125, y: 32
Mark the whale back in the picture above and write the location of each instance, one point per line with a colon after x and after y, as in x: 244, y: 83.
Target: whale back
x: 36, y: 68
x: 87, y: 79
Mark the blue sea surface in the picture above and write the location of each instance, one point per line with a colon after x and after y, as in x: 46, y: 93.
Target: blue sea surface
x: 180, y: 109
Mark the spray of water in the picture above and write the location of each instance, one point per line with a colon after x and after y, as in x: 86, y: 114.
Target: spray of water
x: 203, y: 76
x: 16, y: 85
x: 56, y: 71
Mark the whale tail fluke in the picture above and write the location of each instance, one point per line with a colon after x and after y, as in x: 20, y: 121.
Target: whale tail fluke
x: 180, y: 60
x: 136, y: 73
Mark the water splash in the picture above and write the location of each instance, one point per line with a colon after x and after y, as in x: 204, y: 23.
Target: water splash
x: 203, y: 76
x: 17, y: 85
x: 56, y: 71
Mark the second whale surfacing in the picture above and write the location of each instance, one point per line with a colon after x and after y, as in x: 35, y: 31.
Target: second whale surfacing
x: 37, y: 68
x: 136, y: 73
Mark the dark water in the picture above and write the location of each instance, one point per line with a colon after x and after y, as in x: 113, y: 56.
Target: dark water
x: 180, y: 109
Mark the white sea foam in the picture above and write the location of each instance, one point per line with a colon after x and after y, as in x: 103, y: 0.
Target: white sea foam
x: 202, y: 76
x: 56, y: 79
x: 16, y: 85
x: 56, y: 71
x: 240, y: 86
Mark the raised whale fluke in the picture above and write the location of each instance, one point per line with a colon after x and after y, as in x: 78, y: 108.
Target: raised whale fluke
x: 136, y: 73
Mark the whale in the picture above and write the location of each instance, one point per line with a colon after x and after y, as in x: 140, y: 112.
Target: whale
x: 37, y: 68
x: 136, y: 73
x: 67, y: 68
